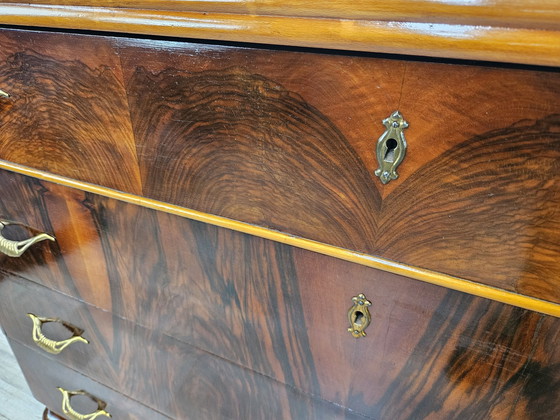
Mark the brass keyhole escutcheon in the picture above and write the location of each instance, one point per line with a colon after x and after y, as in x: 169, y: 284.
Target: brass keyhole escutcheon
x: 359, y: 316
x: 391, y: 147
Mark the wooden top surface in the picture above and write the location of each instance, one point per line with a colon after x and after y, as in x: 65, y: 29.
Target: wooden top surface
x: 515, y: 31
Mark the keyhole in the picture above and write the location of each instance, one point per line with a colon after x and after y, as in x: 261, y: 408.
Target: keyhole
x: 391, y: 145
x: 358, y: 318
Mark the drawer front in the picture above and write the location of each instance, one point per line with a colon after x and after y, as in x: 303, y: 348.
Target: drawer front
x: 287, y: 140
x: 67, y: 112
x: 176, y: 379
x: 46, y: 377
x: 282, y: 311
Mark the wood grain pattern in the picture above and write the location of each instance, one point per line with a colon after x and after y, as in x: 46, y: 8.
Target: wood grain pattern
x: 484, y: 37
x: 275, y: 143
x: 184, y: 382
x: 267, y: 144
x: 67, y: 112
x: 44, y: 378
x: 542, y: 14
x: 282, y: 312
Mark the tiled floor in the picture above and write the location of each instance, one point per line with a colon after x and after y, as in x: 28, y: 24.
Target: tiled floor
x: 16, y: 401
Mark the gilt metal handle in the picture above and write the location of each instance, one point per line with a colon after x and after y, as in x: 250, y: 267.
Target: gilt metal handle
x: 4, y: 94
x: 52, y: 346
x: 391, y: 147
x: 359, y: 316
x: 17, y: 248
x: 73, y: 414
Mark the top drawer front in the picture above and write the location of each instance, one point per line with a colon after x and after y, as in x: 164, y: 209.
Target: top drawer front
x: 67, y: 113
x: 286, y: 140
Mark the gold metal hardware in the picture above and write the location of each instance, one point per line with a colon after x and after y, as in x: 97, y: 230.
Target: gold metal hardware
x: 52, y: 346
x: 391, y: 147
x: 17, y: 248
x: 4, y: 94
x: 359, y: 316
x: 73, y: 414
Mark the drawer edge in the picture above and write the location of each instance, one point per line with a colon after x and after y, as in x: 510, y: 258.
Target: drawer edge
x: 379, y: 263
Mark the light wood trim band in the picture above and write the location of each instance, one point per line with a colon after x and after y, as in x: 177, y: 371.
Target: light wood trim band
x: 544, y: 14
x: 516, y: 45
x: 421, y: 274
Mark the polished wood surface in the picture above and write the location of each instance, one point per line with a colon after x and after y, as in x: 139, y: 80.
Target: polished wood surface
x: 273, y: 142
x: 432, y: 277
x: 176, y: 379
x: 67, y: 110
x: 524, y: 13
x: 282, y: 311
x: 44, y: 378
x: 484, y: 34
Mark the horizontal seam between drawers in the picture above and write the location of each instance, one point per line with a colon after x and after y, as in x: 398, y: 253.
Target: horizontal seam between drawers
x: 421, y: 274
x: 309, y: 395
x: 34, y: 350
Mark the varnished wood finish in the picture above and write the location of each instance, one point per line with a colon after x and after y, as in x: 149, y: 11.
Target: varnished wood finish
x: 282, y: 312
x: 275, y: 143
x: 44, y: 378
x: 432, y: 277
x: 524, y: 13
x: 440, y: 38
x: 179, y: 380
x: 67, y: 112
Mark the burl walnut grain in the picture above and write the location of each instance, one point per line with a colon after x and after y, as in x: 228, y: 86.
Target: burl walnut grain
x: 277, y: 310
x: 285, y: 140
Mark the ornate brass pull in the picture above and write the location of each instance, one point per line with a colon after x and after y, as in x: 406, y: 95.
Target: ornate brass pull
x: 52, y: 346
x: 73, y: 414
x: 4, y: 94
x: 391, y: 147
x: 359, y: 316
x: 17, y: 248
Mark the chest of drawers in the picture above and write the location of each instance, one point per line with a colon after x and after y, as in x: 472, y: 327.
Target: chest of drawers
x: 215, y: 210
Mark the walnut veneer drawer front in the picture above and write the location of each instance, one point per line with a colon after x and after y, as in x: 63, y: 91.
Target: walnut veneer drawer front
x: 176, y: 379
x: 287, y: 140
x: 46, y: 377
x: 282, y: 311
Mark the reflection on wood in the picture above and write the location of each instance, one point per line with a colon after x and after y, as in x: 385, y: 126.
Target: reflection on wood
x: 277, y: 310
x: 264, y: 137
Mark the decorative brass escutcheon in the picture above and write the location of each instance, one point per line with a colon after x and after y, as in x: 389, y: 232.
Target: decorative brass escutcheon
x: 359, y: 316
x: 52, y: 346
x: 17, y: 248
x: 391, y: 147
x: 73, y: 414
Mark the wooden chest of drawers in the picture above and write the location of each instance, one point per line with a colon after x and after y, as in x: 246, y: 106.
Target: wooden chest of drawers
x: 215, y: 210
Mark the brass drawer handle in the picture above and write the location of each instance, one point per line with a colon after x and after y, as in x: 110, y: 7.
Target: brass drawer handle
x: 359, y: 316
x: 4, y: 94
x: 52, y: 346
x: 73, y: 414
x: 391, y: 147
x: 17, y: 248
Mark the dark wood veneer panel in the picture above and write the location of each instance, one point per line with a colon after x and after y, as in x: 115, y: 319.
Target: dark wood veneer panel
x: 281, y: 311
x: 45, y: 376
x: 68, y: 112
x: 286, y: 140
x: 174, y: 378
